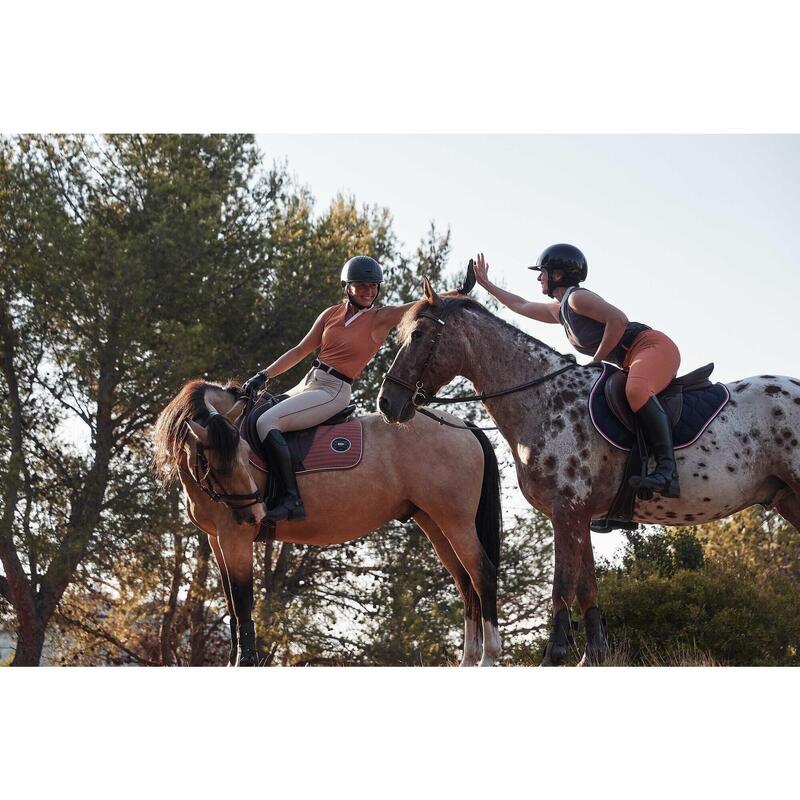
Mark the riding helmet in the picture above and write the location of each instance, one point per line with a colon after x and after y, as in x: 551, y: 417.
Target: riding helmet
x: 568, y: 259
x: 362, y: 269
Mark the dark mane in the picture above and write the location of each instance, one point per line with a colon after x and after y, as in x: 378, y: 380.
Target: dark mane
x: 170, y: 431
x: 454, y: 304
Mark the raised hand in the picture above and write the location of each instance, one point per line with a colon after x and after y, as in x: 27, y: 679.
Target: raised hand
x: 481, y: 270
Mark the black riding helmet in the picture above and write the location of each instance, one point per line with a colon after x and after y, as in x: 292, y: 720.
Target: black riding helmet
x: 361, y: 269
x: 564, y: 257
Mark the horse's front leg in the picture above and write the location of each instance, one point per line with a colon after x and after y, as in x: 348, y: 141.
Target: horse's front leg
x: 226, y: 587
x: 596, y: 642
x: 235, y: 545
x: 570, y: 530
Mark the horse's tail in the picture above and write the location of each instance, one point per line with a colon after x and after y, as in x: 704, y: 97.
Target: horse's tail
x: 489, y: 517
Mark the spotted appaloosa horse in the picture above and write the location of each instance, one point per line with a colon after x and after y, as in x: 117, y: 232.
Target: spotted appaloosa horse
x: 748, y: 455
x: 445, y: 479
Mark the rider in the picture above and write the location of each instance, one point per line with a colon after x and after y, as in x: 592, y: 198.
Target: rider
x: 348, y: 336
x: 598, y: 329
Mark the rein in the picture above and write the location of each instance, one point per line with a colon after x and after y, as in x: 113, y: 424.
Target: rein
x: 440, y: 401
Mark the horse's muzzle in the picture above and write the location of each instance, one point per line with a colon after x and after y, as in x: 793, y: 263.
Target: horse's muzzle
x: 394, y: 403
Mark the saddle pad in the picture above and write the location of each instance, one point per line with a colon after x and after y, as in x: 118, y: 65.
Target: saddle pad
x: 332, y: 447
x: 700, y: 408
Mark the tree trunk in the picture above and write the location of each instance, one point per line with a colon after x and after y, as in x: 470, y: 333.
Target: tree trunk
x: 197, y: 605
x: 167, y: 658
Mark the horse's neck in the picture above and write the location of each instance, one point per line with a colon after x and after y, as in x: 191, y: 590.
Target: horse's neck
x: 504, y: 357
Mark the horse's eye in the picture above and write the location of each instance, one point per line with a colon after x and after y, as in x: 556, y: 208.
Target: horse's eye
x: 415, y: 335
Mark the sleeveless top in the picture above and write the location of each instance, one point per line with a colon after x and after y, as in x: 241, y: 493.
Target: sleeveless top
x: 348, y: 345
x: 585, y: 333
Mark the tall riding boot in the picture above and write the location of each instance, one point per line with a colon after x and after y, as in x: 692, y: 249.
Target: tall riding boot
x: 291, y: 506
x: 658, y: 432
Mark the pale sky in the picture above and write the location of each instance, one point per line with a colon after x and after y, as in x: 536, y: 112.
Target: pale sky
x: 696, y: 235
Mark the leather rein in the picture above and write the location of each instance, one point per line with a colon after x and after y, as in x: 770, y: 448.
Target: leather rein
x: 420, y: 398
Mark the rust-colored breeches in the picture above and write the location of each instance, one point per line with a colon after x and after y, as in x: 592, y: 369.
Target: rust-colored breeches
x: 652, y: 363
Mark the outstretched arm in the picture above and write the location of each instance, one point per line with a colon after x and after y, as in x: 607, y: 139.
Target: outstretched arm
x: 386, y: 318
x: 541, y: 312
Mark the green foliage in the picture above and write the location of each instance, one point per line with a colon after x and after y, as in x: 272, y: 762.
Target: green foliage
x: 673, y: 592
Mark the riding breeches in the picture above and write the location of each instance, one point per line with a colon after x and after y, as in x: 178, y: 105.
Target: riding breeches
x: 652, y: 363
x: 316, y: 398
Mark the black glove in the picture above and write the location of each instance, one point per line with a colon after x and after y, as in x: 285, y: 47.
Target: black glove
x: 252, y: 385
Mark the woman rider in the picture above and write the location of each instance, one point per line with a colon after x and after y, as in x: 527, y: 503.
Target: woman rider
x: 598, y: 329
x: 348, y: 336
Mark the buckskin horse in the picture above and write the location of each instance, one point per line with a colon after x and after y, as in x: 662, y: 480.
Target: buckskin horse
x: 448, y: 482
x: 537, y: 397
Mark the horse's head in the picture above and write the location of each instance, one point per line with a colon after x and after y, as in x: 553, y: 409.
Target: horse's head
x: 218, y: 458
x: 431, y: 354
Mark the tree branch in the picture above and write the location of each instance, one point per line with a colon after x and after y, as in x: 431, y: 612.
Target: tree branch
x: 107, y: 637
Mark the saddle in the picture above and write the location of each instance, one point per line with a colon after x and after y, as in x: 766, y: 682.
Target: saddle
x: 691, y: 402
x: 336, y: 443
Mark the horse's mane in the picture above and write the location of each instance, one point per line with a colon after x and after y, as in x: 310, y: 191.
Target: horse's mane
x: 171, y: 430
x: 461, y: 302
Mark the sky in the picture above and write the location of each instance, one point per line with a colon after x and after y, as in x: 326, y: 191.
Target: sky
x: 695, y: 235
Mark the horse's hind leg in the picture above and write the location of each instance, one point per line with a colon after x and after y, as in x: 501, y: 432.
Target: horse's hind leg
x: 463, y: 538
x: 236, y: 550
x: 473, y: 633
x: 787, y: 504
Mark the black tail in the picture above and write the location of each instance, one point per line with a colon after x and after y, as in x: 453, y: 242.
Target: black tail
x: 489, y: 517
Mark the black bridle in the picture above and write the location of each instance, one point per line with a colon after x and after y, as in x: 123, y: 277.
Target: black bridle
x: 420, y: 398
x: 205, y: 478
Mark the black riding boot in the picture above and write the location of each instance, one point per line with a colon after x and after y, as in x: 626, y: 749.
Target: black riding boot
x: 291, y: 506
x: 658, y: 432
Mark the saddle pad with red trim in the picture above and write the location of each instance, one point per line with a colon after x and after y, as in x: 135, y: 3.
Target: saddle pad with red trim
x: 332, y: 447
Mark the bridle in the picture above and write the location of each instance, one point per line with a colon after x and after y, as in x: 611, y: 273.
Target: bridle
x: 420, y: 398
x: 204, y: 477
x: 418, y: 395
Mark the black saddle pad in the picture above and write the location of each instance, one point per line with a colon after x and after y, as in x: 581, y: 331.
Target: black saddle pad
x: 700, y: 407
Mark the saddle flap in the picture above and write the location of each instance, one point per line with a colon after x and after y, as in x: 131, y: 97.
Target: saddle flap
x: 614, y: 391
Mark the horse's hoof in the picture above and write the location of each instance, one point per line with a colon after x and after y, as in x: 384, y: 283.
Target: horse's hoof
x: 554, y: 655
x: 249, y: 658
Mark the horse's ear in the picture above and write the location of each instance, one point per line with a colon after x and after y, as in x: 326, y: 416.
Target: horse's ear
x: 430, y: 295
x: 469, y: 280
x: 197, y: 432
x: 236, y: 410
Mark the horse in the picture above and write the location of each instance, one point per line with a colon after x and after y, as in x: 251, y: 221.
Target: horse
x: 446, y: 481
x: 748, y: 455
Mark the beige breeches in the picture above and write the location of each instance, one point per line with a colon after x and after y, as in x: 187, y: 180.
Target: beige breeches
x: 316, y: 398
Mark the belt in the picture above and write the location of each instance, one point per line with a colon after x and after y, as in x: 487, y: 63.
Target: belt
x: 331, y: 371
x: 617, y: 355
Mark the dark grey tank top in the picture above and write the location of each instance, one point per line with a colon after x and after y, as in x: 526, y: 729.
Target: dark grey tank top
x: 585, y: 333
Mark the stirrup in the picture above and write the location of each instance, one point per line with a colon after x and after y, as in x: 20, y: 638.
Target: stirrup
x: 290, y: 508
x: 658, y: 483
